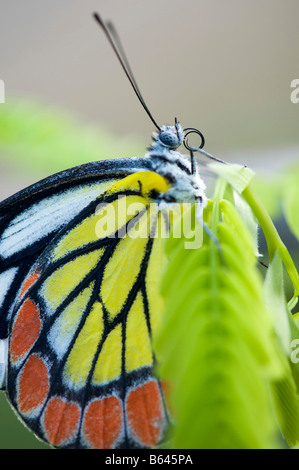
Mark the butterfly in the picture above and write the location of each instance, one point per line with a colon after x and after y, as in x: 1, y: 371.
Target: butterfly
x: 79, y: 298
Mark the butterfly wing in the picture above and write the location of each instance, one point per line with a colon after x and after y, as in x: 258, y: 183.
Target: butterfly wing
x: 80, y: 355
x: 30, y: 219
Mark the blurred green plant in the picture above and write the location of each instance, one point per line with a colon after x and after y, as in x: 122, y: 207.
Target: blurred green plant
x: 44, y: 139
x: 280, y: 196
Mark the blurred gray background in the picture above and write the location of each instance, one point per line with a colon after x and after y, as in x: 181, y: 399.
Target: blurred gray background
x: 224, y: 67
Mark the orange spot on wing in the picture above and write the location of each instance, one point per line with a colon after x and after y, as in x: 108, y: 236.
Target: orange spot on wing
x: 25, y: 330
x: 167, y: 389
x: 28, y: 283
x: 61, y: 420
x: 145, y: 413
x: 103, y: 423
x: 33, y: 385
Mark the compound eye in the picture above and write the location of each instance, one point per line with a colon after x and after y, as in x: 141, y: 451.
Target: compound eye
x: 169, y: 139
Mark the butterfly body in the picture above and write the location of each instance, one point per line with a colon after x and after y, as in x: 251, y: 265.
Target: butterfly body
x: 79, y: 305
x: 165, y: 160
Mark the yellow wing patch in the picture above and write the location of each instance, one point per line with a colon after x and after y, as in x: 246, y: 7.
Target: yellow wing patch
x: 108, y: 366
x: 105, y: 222
x: 121, y: 272
x: 143, y: 181
x: 82, y: 354
x: 64, y: 279
x: 78, y: 237
x: 154, y: 272
x: 107, y: 325
x: 138, y: 345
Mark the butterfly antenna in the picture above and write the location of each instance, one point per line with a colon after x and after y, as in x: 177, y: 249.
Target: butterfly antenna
x: 116, y: 45
x: 122, y: 53
x: 192, y: 130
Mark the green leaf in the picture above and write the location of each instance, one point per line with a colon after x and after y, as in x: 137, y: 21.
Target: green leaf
x: 274, y: 242
x: 286, y: 405
x: 217, y: 341
x: 284, y: 392
x: 276, y: 303
x: 248, y: 219
x: 291, y: 207
x: 237, y: 176
x: 235, y: 221
x: 294, y: 347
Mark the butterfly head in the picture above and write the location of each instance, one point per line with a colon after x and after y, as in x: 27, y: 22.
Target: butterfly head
x: 180, y: 170
x: 170, y: 137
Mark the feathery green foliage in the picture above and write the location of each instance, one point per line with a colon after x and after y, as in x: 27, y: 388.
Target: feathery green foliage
x: 284, y: 390
x: 225, y: 338
x: 222, y: 355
